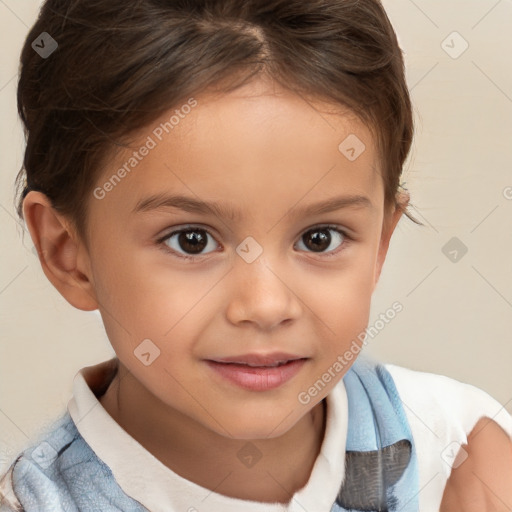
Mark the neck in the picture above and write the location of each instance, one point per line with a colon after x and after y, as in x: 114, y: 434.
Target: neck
x: 206, y: 458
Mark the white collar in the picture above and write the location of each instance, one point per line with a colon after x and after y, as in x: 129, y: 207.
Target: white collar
x: 147, y: 480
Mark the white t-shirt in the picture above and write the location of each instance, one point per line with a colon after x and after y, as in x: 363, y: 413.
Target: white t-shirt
x: 441, y: 412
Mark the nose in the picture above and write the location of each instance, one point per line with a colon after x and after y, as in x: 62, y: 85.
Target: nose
x: 262, y: 294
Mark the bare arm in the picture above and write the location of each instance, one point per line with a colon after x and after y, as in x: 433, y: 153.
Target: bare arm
x: 483, y: 482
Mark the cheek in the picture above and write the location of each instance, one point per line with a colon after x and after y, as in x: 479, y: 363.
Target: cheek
x: 143, y: 299
x: 341, y: 302
x: 346, y: 311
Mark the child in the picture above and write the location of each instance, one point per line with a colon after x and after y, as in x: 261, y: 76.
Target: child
x: 274, y: 134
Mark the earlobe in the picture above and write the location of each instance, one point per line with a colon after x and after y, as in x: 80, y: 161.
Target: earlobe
x: 58, y: 251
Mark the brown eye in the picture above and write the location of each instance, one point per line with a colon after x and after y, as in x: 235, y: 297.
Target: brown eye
x: 190, y: 241
x: 320, y: 239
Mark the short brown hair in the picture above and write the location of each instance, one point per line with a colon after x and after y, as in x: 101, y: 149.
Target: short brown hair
x: 120, y: 64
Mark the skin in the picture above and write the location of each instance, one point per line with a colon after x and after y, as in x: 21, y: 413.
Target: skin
x: 484, y: 480
x: 265, y: 152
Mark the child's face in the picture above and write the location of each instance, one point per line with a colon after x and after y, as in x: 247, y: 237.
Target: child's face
x: 266, y: 156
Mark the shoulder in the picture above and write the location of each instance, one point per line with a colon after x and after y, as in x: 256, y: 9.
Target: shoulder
x: 28, y: 466
x: 483, y: 480
x: 39, y: 472
x: 463, y: 438
x: 60, y: 471
x: 449, y: 407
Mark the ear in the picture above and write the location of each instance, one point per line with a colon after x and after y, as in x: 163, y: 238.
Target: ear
x: 390, y: 221
x: 64, y: 259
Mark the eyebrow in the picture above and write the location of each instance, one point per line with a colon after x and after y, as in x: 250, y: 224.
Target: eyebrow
x: 189, y: 204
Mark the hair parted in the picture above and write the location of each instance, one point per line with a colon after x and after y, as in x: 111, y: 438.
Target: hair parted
x: 120, y: 64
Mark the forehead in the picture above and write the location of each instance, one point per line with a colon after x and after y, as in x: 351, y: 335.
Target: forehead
x: 257, y: 142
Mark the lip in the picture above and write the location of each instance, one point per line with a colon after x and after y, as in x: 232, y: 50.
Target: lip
x: 270, y: 359
x: 257, y: 378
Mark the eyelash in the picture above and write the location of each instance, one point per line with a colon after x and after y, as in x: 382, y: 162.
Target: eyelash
x: 161, y: 241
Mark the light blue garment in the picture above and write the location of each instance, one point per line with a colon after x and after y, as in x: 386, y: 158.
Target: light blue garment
x: 61, y: 473
x: 381, y: 462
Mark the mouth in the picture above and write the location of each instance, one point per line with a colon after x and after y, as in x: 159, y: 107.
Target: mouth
x: 274, y: 365
x: 272, y: 360
x: 257, y: 375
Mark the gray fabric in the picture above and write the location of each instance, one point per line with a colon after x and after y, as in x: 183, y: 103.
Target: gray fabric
x: 368, y: 476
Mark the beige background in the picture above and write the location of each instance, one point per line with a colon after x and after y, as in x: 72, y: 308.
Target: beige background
x: 457, y: 316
